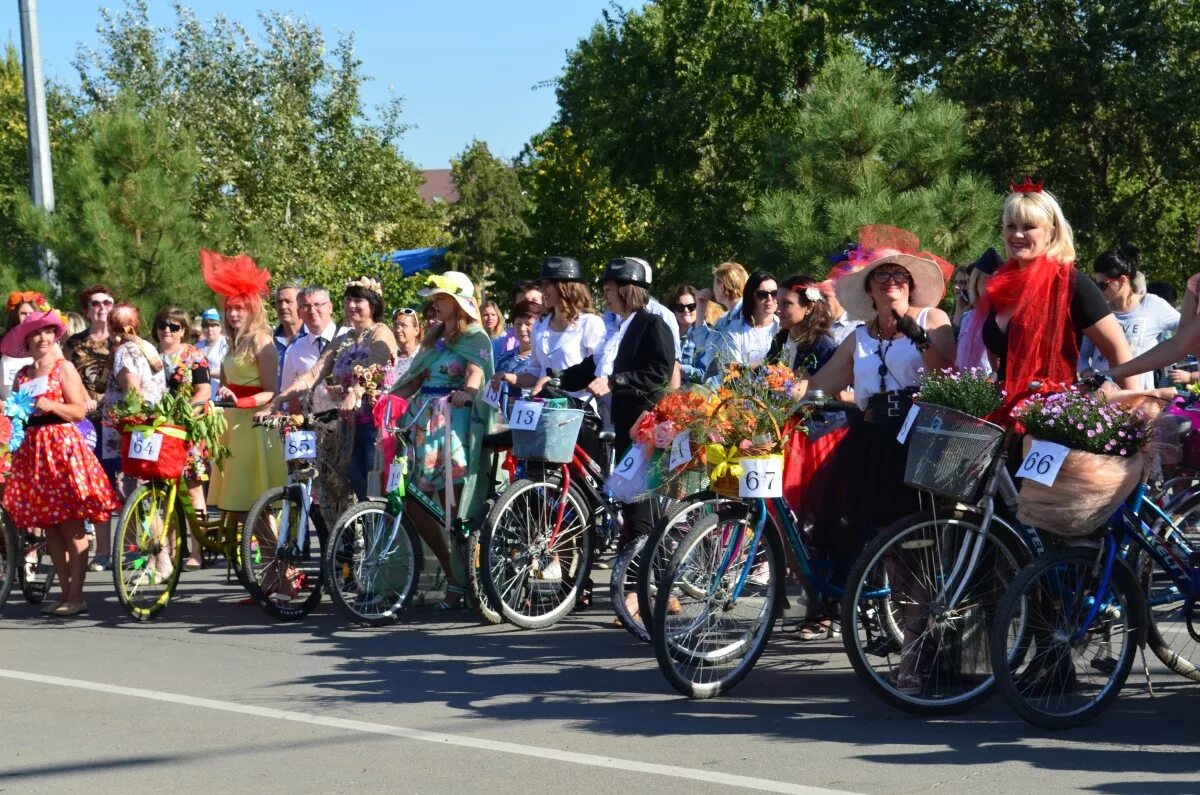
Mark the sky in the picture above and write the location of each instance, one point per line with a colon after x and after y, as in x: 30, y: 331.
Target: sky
x: 464, y: 68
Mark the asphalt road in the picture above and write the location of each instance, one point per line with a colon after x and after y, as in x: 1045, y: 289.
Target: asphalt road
x: 215, y: 697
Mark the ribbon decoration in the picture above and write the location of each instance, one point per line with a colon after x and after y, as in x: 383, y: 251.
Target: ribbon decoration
x: 447, y: 462
x: 157, y: 426
x: 722, y: 462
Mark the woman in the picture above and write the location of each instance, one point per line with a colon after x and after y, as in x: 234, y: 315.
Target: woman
x: 747, y: 339
x: 1036, y: 307
x: 56, y: 483
x: 1145, y: 319
x: 249, y: 373
x: 694, y: 333
x: 894, y: 289
x: 493, y: 326
x: 569, y: 332
x: 90, y: 350
x: 408, y: 329
x: 20, y: 306
x: 186, y: 370
x: 449, y: 418
x: 349, y: 455
x: 803, y: 342
x: 508, y: 365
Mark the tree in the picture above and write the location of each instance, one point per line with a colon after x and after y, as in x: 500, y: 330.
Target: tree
x: 673, y: 102
x: 1101, y: 100
x: 854, y: 153
x: 280, y: 133
x: 124, y: 213
x: 487, y: 222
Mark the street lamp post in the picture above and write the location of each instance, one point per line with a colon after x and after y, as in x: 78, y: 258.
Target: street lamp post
x: 41, y: 182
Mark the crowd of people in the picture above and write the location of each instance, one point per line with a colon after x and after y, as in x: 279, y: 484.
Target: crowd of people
x: 864, y: 331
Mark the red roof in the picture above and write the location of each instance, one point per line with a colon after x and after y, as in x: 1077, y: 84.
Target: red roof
x: 439, y: 186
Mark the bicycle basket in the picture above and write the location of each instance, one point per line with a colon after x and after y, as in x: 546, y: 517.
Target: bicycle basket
x: 165, y: 460
x: 554, y: 438
x: 949, y: 452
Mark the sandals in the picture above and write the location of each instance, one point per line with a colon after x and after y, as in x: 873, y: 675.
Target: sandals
x: 457, y: 604
x: 821, y: 629
x: 909, y: 684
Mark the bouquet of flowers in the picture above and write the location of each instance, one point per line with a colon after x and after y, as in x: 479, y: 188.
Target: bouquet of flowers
x: 972, y: 392
x: 202, y: 428
x: 18, y: 408
x: 370, y: 378
x: 1082, y: 422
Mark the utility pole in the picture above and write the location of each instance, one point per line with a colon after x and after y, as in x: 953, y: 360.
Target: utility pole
x: 41, y: 180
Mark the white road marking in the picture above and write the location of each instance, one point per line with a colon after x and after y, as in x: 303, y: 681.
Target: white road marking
x: 591, y: 760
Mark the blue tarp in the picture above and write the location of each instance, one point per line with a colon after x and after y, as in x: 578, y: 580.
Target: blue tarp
x: 416, y: 259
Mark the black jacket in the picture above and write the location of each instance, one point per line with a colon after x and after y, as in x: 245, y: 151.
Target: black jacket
x: 641, y: 372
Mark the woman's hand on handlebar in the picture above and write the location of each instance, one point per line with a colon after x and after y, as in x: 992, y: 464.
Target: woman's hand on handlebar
x: 461, y: 398
x: 225, y: 395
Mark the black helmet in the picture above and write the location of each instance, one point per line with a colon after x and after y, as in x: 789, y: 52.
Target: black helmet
x: 628, y: 270
x: 562, y: 269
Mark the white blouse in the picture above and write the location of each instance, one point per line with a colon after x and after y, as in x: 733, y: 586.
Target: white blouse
x: 745, y: 344
x: 559, y: 350
x: 903, y: 361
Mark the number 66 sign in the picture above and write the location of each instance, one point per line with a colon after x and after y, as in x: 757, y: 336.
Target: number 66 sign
x: 761, y: 477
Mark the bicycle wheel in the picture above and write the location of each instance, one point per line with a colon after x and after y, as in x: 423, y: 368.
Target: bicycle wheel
x: 1172, y: 631
x: 623, y: 588
x: 662, y: 542
x: 489, y: 611
x: 10, y: 557
x: 1052, y: 669
x: 372, y: 564
x: 532, y: 574
x: 707, y: 641
x: 147, y: 552
x: 284, y: 579
x: 908, y: 644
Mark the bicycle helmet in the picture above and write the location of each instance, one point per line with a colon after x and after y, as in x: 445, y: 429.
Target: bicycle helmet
x: 561, y: 269
x: 628, y: 270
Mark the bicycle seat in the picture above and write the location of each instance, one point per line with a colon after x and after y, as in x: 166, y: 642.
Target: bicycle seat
x: 606, y: 436
x: 501, y: 440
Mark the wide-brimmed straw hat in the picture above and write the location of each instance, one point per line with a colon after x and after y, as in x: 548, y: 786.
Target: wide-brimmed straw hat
x: 929, y: 272
x: 15, y: 344
x: 456, y: 285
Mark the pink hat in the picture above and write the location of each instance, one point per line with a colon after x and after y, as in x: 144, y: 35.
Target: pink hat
x: 15, y: 343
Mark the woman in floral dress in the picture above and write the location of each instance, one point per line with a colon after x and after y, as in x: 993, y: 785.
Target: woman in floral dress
x: 56, y: 482
x: 186, y: 368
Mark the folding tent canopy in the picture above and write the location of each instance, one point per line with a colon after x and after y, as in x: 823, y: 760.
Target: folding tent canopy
x: 416, y: 259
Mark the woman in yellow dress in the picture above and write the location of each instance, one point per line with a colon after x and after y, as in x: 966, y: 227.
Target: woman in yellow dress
x: 249, y: 375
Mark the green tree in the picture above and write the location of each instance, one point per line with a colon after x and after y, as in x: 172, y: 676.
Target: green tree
x: 673, y: 101
x: 280, y: 131
x: 853, y: 152
x: 487, y: 222
x: 1101, y: 100
x: 124, y: 211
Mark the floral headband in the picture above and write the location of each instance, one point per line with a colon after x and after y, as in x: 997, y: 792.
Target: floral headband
x: 812, y: 294
x: 367, y: 283
x: 38, y: 300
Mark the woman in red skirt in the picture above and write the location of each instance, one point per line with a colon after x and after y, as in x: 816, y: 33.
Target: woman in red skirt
x: 56, y: 481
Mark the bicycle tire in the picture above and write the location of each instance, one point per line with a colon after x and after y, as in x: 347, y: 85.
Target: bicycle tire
x: 1041, y: 675
x: 1167, y: 632
x: 142, y: 589
x: 488, y: 610
x: 10, y: 557
x: 364, y: 558
x: 300, y: 575
x: 701, y: 665
x: 947, y: 649
x: 532, y: 585
x: 623, y: 584
x: 664, y: 538
x: 36, y: 590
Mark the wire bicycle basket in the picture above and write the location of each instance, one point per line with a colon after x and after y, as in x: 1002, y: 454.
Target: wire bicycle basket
x: 949, y: 452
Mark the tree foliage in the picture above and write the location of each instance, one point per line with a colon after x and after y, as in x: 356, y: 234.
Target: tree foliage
x: 853, y: 152
x: 1101, y: 100
x: 488, y: 220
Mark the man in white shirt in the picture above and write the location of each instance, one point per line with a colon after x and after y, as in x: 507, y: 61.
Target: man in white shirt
x: 316, y: 310
x: 843, y: 326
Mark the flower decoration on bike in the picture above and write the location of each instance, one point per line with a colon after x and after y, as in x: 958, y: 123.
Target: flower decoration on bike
x: 972, y: 391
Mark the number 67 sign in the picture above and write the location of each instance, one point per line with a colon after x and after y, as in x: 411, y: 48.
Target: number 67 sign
x: 761, y: 477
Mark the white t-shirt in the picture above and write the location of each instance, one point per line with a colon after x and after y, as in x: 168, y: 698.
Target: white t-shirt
x: 151, y: 385
x: 745, y: 344
x: 215, y: 354
x: 1146, y: 325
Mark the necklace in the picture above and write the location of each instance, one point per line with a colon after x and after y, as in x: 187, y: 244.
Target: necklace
x: 882, y: 351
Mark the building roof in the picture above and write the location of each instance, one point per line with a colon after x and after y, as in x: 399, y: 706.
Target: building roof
x: 438, y: 186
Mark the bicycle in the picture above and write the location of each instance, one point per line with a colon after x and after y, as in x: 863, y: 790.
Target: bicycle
x: 33, y: 577
x: 282, y: 574
x: 1067, y: 629
x: 374, y: 557
x: 727, y: 577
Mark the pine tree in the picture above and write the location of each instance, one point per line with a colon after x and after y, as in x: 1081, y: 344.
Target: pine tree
x: 855, y: 153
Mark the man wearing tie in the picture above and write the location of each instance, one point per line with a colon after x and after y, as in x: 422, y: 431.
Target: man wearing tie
x: 316, y: 311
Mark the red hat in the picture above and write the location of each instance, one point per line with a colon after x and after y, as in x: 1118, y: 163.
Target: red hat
x: 16, y: 342
x: 234, y: 277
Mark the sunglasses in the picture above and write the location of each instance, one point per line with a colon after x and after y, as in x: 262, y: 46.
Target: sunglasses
x: 883, y: 277
x: 684, y: 307
x: 166, y: 325
x: 1103, y: 283
x: 97, y: 303
x: 763, y: 295
x: 406, y: 311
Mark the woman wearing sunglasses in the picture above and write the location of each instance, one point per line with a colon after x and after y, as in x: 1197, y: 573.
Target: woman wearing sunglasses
x: 694, y: 333
x: 746, y: 339
x: 186, y: 369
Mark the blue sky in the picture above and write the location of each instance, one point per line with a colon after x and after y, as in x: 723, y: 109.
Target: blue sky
x: 465, y: 68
